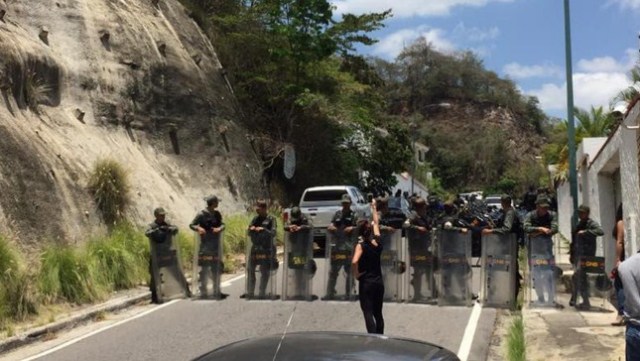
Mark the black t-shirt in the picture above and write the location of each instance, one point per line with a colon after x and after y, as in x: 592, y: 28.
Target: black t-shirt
x: 369, y: 263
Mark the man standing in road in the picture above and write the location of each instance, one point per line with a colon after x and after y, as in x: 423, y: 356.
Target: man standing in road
x: 540, y: 225
x: 299, y: 251
x: 629, y: 273
x: 419, y: 238
x: 342, y: 227
x: 508, y: 223
x: 583, y: 244
x: 208, y: 223
x: 159, y: 233
x: 262, y: 231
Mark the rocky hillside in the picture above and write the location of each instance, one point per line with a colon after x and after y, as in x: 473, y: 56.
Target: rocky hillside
x: 130, y: 80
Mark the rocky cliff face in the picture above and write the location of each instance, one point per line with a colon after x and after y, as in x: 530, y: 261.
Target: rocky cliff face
x: 131, y: 80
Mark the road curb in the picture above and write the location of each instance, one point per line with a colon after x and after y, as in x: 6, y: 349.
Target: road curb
x: 83, y: 317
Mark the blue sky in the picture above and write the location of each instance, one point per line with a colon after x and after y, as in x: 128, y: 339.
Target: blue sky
x: 522, y: 39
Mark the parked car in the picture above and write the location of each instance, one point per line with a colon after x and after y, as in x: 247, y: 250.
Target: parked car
x: 329, y: 346
x: 495, y: 201
x: 319, y: 204
x: 399, y: 210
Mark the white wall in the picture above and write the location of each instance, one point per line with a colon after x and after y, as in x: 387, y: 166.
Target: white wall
x: 565, y: 208
x: 404, y: 184
x: 630, y: 182
x: 613, y: 178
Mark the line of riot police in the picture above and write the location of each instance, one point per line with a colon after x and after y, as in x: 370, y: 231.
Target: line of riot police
x: 430, y: 264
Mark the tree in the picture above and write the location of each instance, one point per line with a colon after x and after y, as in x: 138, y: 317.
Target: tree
x: 595, y: 123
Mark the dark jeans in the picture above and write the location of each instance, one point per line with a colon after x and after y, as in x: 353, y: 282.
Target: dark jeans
x: 333, y: 278
x: 265, y: 269
x: 152, y: 284
x: 617, y: 284
x: 632, y: 339
x: 371, y: 295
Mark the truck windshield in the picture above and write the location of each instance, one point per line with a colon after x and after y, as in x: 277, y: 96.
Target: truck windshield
x: 324, y: 195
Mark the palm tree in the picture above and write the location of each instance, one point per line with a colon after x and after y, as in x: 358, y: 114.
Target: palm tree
x: 632, y: 92
x: 594, y: 123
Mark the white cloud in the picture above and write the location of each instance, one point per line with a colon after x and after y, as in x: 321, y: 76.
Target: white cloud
x: 590, y: 89
x: 605, y: 64
x: 407, y: 8
x: 626, y: 4
x: 518, y: 71
x: 391, y: 45
x: 474, y: 34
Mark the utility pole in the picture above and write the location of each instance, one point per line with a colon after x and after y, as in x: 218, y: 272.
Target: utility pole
x: 573, y: 185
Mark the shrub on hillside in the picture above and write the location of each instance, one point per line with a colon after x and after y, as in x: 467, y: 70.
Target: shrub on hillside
x: 109, y: 186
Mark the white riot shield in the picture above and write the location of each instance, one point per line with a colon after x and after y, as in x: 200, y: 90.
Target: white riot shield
x: 419, y: 280
x: 339, y: 252
x: 541, y: 286
x: 499, y: 255
x: 392, y: 263
x: 454, y: 268
x: 298, y: 264
x: 208, y: 265
x: 262, y: 266
x: 170, y: 282
x: 589, y: 277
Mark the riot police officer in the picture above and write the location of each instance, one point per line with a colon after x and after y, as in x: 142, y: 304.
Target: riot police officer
x: 419, y: 228
x: 158, y: 233
x: 262, y: 230
x: 344, y: 220
x: 299, y: 252
x: 509, y: 222
x: 542, y: 222
x: 208, y: 223
x: 583, y: 244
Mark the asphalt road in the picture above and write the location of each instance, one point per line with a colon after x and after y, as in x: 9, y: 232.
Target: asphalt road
x: 185, y: 329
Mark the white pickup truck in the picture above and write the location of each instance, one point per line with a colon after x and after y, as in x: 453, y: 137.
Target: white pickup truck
x: 319, y: 204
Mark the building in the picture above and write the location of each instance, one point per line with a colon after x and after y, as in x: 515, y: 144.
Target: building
x: 607, y: 176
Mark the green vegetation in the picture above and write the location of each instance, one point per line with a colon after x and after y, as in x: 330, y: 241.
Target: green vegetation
x: 515, y: 341
x: 17, y: 298
x: 300, y: 82
x: 69, y: 274
x: 35, y: 90
x: 109, y: 186
x: 121, y: 257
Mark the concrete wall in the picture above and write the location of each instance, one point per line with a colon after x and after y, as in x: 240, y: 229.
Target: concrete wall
x: 613, y: 178
x: 564, y: 209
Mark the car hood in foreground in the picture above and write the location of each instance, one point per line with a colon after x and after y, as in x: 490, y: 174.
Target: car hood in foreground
x: 328, y: 346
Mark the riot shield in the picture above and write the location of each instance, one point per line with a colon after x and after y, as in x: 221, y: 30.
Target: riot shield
x: 589, y: 271
x: 208, y: 265
x: 499, y: 270
x: 541, y: 281
x: 420, y: 281
x: 339, y: 252
x: 262, y: 266
x: 454, y: 268
x: 392, y: 263
x: 299, y: 265
x: 169, y: 280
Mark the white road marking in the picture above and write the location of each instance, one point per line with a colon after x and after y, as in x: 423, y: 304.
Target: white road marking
x: 229, y: 282
x: 78, y: 339
x: 469, y: 332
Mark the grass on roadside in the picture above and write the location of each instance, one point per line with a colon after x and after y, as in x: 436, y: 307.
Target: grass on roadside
x: 515, y: 340
x: 121, y: 257
x: 70, y: 274
x: 17, y: 296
